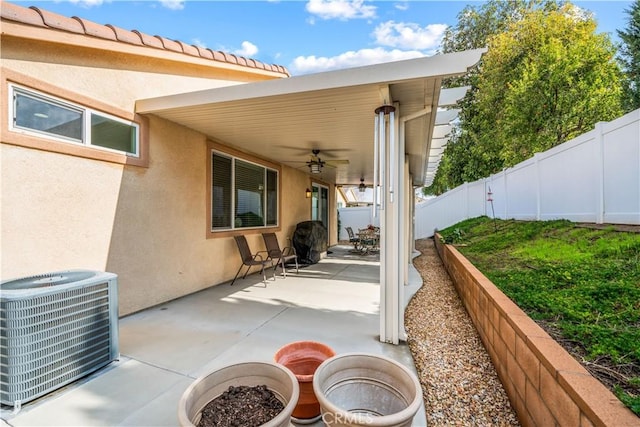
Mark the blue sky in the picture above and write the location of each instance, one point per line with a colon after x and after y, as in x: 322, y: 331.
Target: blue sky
x: 304, y: 36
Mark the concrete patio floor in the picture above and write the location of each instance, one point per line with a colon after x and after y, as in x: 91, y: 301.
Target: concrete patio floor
x: 164, y: 348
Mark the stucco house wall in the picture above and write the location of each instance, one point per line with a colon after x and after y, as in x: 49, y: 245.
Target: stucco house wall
x: 146, y: 222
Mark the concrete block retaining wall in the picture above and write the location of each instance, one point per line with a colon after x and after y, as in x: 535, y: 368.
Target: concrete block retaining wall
x: 546, y: 385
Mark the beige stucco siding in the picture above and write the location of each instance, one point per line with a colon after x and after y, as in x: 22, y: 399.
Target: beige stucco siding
x: 110, y: 77
x: 158, y: 246
x: 146, y: 224
x: 295, y: 207
x: 57, y: 211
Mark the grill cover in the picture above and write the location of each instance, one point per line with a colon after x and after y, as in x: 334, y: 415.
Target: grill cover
x: 310, y: 241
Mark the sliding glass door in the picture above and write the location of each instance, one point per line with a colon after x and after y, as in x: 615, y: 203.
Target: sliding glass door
x: 320, y: 205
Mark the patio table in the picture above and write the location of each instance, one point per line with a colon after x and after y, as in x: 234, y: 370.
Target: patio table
x: 369, y: 239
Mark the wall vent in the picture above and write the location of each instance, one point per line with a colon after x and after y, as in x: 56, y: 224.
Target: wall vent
x: 54, y: 329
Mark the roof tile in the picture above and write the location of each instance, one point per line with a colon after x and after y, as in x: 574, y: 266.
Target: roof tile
x: 148, y: 40
x: 170, y: 44
x: 126, y: 36
x: 21, y: 14
x: 219, y: 56
x: 231, y: 58
x: 59, y: 22
x: 205, y: 53
x: 43, y: 18
x: 253, y: 63
x: 96, y: 30
x: 188, y: 49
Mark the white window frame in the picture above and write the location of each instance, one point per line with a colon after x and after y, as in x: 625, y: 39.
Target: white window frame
x: 86, y: 113
x: 266, y: 168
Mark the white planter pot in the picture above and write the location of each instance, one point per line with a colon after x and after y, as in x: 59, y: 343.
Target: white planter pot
x: 359, y: 389
x: 203, y: 390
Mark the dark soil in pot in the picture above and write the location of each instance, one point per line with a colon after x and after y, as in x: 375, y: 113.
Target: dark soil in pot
x: 241, y: 406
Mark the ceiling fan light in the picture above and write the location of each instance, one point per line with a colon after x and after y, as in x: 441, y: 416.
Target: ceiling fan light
x: 315, y: 167
x: 362, y: 187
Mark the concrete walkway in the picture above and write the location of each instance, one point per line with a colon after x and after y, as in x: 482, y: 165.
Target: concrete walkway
x: 163, y: 349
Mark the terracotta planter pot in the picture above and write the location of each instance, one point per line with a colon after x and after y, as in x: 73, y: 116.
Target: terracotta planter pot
x: 303, y: 358
x: 277, y: 378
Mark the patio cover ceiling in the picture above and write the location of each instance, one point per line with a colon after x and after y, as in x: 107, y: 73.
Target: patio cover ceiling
x: 284, y: 119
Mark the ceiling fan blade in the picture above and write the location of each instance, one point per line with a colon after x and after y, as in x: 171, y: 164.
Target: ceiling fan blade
x: 303, y: 150
x: 315, y: 154
x: 328, y: 152
x: 339, y: 162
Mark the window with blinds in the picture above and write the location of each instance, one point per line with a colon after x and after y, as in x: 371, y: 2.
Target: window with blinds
x: 243, y: 194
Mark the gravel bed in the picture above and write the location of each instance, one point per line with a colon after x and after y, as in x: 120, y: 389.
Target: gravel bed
x: 459, y: 383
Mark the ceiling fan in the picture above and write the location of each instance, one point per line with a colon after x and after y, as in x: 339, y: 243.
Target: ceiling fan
x: 315, y: 164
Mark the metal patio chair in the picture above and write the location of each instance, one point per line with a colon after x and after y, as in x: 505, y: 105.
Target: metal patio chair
x: 249, y: 260
x: 277, y: 255
x: 353, y: 239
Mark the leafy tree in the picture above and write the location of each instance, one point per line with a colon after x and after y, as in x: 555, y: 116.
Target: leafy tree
x: 546, y: 78
x: 477, y: 24
x: 630, y: 58
x: 463, y: 160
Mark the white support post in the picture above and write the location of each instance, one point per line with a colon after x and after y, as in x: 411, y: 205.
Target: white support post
x: 393, y: 156
x: 382, y: 152
x: 405, y: 195
x: 390, y: 237
x: 506, y: 195
x: 536, y: 158
x: 376, y: 150
x: 600, y: 206
x: 486, y: 190
x: 466, y: 200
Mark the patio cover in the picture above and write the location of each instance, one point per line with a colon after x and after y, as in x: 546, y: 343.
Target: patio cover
x: 284, y: 119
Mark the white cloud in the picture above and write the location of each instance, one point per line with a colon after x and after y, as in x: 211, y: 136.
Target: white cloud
x: 87, y: 3
x: 173, y: 4
x: 248, y: 49
x: 402, y: 6
x: 169, y: 4
x: 313, y: 64
x: 409, y: 35
x: 199, y: 43
x: 341, y: 9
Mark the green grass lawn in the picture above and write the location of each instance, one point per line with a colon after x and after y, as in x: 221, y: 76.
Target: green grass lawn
x: 580, y: 284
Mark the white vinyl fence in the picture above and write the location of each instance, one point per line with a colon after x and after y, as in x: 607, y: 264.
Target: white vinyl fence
x: 356, y: 218
x: 592, y: 178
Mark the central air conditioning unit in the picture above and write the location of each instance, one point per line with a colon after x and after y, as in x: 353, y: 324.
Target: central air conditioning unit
x: 54, y: 329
